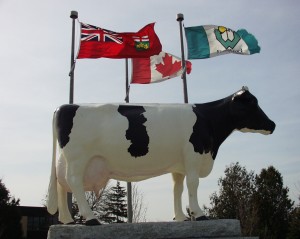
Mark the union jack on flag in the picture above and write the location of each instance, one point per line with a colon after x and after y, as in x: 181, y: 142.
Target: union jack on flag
x: 93, y: 33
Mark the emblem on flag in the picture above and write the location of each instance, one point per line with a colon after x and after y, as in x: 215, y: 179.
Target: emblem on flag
x: 227, y: 37
x: 141, y: 43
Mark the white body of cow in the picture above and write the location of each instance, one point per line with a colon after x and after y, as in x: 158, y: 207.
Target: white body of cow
x: 97, y: 150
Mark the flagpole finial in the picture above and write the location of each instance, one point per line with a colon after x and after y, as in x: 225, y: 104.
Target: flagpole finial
x: 180, y: 17
x: 74, y: 15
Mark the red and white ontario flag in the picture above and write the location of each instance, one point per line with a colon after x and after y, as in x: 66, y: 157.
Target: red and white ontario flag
x: 157, y: 68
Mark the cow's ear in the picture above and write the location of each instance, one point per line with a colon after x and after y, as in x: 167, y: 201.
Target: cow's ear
x: 240, y: 93
x: 238, y: 96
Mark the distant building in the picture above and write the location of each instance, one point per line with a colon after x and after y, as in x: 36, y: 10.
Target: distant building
x: 36, y: 222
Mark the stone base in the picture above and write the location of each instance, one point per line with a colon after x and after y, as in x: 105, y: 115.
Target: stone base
x: 220, y: 229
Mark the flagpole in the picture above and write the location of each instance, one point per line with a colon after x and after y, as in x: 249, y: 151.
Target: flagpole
x: 129, y: 186
x: 74, y: 15
x: 180, y: 18
x: 126, y: 81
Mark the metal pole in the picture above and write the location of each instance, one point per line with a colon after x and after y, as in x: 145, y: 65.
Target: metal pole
x: 126, y: 81
x: 185, y: 93
x: 180, y: 18
x: 129, y: 186
x: 129, y: 202
x: 74, y: 15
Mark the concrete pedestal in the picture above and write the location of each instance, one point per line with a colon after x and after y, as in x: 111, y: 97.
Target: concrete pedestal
x: 221, y: 229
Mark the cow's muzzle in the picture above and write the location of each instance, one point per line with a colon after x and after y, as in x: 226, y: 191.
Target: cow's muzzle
x: 272, y: 126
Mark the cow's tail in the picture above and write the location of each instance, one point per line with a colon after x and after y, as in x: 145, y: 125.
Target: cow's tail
x: 52, y: 201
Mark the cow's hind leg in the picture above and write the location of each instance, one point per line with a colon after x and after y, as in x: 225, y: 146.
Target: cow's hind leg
x: 75, y: 174
x: 177, y: 192
x: 64, y: 213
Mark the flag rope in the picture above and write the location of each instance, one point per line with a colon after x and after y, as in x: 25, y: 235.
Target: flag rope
x: 72, y: 68
x: 127, y: 94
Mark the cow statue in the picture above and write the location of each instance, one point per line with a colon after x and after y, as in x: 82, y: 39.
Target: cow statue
x: 134, y: 142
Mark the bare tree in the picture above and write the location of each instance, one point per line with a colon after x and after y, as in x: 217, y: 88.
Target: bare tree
x: 97, y: 203
x: 139, y: 210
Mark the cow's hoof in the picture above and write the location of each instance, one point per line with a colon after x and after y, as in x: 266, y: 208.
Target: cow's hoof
x: 185, y: 220
x: 92, y: 222
x: 71, y: 223
x: 202, y: 218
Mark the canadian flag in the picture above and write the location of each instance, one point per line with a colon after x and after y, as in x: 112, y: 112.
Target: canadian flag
x: 157, y: 68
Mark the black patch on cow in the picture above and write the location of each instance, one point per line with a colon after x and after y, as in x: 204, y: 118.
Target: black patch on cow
x: 136, y: 131
x: 64, y: 123
x: 201, y: 138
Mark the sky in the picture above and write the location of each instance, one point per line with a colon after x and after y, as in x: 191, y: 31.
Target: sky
x: 35, y: 48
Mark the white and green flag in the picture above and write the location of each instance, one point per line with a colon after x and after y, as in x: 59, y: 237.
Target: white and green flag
x: 210, y: 40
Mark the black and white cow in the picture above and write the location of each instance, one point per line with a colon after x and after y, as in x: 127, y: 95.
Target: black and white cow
x: 134, y: 142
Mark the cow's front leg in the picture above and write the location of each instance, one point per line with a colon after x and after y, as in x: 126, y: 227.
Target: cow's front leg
x: 74, y: 177
x: 177, y: 192
x: 192, y: 181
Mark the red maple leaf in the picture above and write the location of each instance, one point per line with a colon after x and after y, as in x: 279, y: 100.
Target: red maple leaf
x: 167, y: 67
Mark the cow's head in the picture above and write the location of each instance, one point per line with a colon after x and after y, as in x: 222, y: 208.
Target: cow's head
x: 247, y: 115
